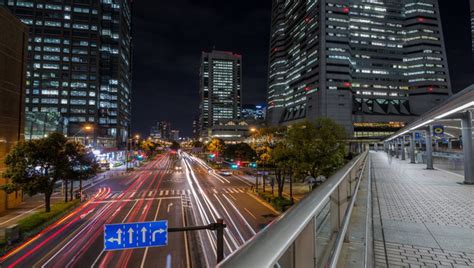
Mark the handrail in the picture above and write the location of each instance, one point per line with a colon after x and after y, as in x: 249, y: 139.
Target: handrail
x: 269, y: 245
x: 347, y: 217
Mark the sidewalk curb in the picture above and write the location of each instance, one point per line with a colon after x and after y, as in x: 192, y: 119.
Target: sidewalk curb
x: 261, y: 201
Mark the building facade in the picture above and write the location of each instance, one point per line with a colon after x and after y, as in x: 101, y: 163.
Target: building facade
x: 13, y: 53
x: 253, y: 112
x: 79, y: 68
x: 162, y: 130
x: 372, y: 66
x: 220, y: 88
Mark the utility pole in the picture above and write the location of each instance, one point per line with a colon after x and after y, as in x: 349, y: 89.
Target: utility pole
x: 218, y: 226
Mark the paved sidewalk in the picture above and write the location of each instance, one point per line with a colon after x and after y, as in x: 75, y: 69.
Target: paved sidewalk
x: 422, y: 218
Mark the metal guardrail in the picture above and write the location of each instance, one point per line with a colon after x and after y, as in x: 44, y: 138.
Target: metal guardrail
x: 310, y: 234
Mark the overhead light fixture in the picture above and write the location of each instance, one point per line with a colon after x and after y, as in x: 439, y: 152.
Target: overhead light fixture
x: 422, y: 124
x: 460, y: 108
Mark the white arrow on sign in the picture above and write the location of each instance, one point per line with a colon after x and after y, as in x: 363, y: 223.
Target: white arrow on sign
x: 144, y: 234
x: 118, y: 239
x: 130, y: 235
x: 159, y: 231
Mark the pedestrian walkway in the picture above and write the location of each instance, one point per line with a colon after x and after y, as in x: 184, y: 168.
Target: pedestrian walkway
x: 421, y: 218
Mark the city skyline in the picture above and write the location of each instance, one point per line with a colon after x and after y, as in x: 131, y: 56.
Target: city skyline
x: 248, y: 37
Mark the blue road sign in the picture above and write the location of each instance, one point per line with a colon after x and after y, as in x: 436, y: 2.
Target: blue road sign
x: 418, y: 136
x: 135, y: 235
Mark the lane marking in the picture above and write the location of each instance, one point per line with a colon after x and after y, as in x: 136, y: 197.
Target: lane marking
x: 169, y: 206
x: 240, y: 214
x: 253, y: 216
x: 142, y: 265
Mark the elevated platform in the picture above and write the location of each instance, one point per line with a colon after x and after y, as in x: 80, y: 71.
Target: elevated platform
x: 421, y: 217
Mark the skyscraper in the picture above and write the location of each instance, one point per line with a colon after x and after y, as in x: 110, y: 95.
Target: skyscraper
x: 220, y: 88
x: 370, y: 65
x: 79, y: 67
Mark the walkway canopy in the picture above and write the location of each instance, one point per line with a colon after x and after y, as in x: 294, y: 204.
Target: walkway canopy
x: 455, y: 115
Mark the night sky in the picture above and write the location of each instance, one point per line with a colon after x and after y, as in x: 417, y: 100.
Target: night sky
x: 169, y: 37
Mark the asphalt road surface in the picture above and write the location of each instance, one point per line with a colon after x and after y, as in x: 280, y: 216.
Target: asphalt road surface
x: 194, y: 195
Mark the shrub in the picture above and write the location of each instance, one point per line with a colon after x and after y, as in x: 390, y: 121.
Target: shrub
x: 38, y: 219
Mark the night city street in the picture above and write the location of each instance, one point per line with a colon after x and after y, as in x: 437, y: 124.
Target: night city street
x: 236, y: 134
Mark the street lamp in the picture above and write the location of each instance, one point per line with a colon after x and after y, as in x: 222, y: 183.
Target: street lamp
x: 84, y: 128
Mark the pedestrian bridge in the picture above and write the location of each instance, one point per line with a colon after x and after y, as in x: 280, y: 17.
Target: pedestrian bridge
x: 388, y: 207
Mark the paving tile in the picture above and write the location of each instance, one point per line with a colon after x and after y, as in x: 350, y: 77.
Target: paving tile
x: 427, y: 217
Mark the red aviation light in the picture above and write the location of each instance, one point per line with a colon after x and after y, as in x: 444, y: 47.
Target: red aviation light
x: 347, y: 84
x: 421, y: 19
x: 307, y: 88
x: 345, y: 10
x: 430, y: 89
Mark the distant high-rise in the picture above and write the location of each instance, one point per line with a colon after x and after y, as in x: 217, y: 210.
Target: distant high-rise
x: 162, y: 130
x: 370, y: 65
x: 220, y: 88
x: 79, y: 67
x: 13, y: 49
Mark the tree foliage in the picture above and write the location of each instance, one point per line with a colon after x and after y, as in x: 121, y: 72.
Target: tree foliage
x: 149, y: 147
x: 35, y: 166
x: 175, y: 146
x: 315, y: 148
x: 240, y: 152
x: 216, y: 146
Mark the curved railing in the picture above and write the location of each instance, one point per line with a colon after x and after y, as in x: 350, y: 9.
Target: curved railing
x: 311, y: 233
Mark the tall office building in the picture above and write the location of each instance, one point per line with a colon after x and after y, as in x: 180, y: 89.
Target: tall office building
x: 13, y: 49
x: 370, y: 65
x: 79, y: 67
x: 162, y: 130
x: 220, y: 88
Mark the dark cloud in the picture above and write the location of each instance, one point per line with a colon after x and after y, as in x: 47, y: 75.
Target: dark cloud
x: 169, y: 37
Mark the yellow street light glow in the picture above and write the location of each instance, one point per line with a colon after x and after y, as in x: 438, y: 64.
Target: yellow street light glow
x: 253, y: 129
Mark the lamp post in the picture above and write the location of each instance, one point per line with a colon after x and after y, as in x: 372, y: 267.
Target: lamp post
x: 83, y: 129
x: 253, y: 131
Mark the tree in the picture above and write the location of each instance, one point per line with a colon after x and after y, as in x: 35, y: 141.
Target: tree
x: 320, y: 146
x: 82, y: 164
x: 35, y: 166
x: 283, y: 158
x: 149, y: 147
x: 175, y: 146
x: 216, y: 146
x: 240, y: 152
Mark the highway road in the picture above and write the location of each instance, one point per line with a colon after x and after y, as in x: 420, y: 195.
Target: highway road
x: 157, y: 191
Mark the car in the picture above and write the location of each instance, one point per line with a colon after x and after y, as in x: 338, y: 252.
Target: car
x: 178, y: 168
x: 225, y: 173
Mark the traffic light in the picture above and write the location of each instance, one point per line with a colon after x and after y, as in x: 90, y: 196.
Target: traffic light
x: 253, y: 165
x: 234, y: 166
x: 212, y: 156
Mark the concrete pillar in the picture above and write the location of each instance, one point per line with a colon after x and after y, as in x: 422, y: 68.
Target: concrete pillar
x: 429, y: 147
x: 403, y: 147
x: 376, y: 147
x: 397, y: 150
x: 412, y: 148
x: 436, y: 145
x: 467, y: 148
x: 450, y: 144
